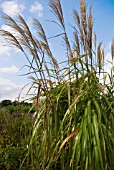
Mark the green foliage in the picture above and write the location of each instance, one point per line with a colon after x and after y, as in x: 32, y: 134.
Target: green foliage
x: 6, y: 103
x: 22, y: 108
x: 15, y: 133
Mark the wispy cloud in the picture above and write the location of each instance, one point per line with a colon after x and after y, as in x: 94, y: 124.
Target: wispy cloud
x: 37, y: 8
x: 6, y: 49
x: 12, y: 8
x: 11, y: 69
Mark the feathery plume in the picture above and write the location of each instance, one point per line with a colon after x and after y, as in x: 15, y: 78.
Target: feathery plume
x: 90, y: 30
x: 112, y: 49
x: 83, y: 15
x: 57, y: 11
x: 99, y: 56
x: 95, y: 40
x: 76, y: 43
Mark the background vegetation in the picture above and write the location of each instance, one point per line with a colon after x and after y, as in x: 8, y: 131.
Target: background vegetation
x: 16, y: 125
x: 74, y: 123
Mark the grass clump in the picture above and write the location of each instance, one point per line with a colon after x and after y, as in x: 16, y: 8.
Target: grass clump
x: 73, y: 128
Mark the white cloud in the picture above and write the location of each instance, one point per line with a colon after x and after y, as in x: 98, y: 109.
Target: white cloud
x: 108, y: 59
x: 37, y: 8
x: 109, y: 65
x: 11, y: 69
x: 4, y: 50
x: 8, y: 89
x: 12, y: 8
x: 8, y: 28
x: 108, y: 62
x: 107, y: 68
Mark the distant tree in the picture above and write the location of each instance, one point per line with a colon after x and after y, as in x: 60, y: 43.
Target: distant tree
x: 22, y: 103
x: 6, y: 103
x: 15, y: 103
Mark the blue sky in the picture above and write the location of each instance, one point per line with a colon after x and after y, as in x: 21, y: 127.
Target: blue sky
x: 12, y: 60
